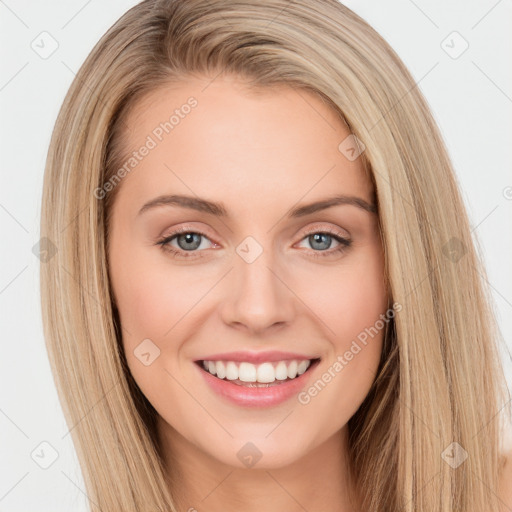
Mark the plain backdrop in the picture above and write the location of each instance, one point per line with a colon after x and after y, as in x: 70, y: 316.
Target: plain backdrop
x: 468, y: 89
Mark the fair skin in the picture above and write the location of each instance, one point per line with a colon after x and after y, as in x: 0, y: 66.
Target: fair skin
x: 505, y: 484
x: 260, y: 155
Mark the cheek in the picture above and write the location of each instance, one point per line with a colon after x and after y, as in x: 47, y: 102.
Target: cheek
x: 351, y: 310
x: 151, y: 298
x: 156, y: 300
x: 354, y: 296
x: 150, y: 309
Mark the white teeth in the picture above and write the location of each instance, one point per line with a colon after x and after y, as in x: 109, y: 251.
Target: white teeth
x: 281, y: 371
x: 263, y: 373
x: 231, y: 371
x: 247, y: 372
x: 266, y: 373
x: 221, y: 369
x: 292, y: 370
x: 302, y: 367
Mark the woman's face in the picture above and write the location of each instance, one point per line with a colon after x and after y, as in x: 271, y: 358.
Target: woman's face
x: 254, y: 271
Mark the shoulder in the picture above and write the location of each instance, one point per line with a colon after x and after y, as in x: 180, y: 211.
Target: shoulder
x: 505, y: 489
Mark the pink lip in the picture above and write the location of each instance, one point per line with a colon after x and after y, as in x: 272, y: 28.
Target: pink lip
x: 257, y: 357
x: 256, y: 397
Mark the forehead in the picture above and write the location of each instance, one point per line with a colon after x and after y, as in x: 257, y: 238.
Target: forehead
x: 221, y: 137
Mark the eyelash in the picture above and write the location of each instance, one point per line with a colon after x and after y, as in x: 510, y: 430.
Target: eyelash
x: 164, y: 243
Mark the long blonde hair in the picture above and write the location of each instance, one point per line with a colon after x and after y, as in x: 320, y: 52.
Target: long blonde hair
x: 440, y: 379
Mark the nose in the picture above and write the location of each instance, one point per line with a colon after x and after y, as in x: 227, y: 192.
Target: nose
x: 257, y: 297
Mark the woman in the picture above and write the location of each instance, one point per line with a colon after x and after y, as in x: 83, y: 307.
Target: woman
x: 265, y: 293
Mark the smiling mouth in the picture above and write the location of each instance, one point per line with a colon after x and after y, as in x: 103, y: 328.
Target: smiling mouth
x: 264, y: 375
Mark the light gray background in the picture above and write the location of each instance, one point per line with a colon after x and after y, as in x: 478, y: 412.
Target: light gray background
x: 470, y: 96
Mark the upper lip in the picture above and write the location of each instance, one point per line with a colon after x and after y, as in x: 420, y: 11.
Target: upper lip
x: 257, y: 357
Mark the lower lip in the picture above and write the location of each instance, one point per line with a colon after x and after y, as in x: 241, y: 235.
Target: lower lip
x: 257, y: 397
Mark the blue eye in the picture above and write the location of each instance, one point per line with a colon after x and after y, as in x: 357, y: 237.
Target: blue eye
x: 189, y: 241
x: 320, y: 239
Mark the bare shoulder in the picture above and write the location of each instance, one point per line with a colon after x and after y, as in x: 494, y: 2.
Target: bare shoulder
x: 506, y: 484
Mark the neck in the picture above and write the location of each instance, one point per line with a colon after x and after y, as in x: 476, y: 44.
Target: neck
x: 320, y: 480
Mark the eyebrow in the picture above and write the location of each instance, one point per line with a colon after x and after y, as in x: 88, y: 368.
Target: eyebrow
x: 219, y: 210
